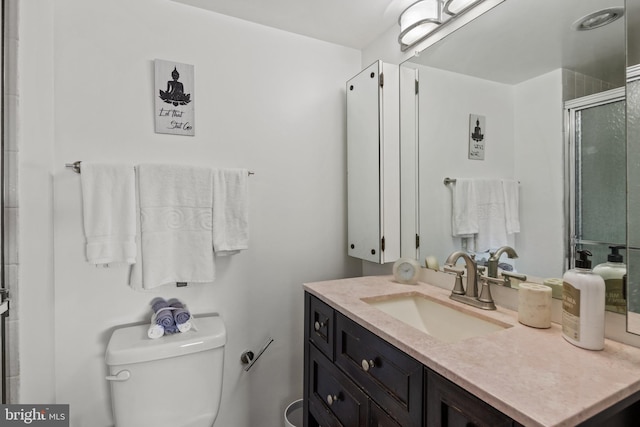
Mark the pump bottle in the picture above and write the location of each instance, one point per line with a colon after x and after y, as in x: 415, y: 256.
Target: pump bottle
x: 583, y: 296
x: 613, y: 272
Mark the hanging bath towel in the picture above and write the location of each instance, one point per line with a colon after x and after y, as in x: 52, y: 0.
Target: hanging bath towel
x: 230, y: 211
x: 176, y: 226
x: 109, y: 213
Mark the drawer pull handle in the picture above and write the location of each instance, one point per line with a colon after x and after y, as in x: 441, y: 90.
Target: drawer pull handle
x: 368, y: 364
x: 332, y: 399
x: 318, y: 325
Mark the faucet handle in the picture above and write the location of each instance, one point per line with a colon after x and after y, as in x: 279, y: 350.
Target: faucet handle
x: 454, y: 270
x: 457, y: 287
x: 508, y: 276
x: 485, y: 295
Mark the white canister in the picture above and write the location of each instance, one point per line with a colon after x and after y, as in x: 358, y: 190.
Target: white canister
x: 534, y: 305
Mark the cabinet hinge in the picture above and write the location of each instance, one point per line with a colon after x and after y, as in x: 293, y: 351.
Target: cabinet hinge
x: 382, y: 244
x: 417, y: 241
x: 381, y: 79
x: 417, y: 87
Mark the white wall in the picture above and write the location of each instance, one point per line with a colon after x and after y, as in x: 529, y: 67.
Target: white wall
x: 266, y: 100
x: 539, y: 165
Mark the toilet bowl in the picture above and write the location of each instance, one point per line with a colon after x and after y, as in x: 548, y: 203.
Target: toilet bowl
x: 173, y: 381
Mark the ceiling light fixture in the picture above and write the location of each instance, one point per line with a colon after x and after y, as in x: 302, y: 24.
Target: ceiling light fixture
x: 598, y: 19
x: 424, y: 17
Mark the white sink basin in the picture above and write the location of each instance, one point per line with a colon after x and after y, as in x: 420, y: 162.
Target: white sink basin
x: 436, y: 318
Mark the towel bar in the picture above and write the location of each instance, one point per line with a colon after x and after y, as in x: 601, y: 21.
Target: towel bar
x: 448, y: 181
x: 75, y: 166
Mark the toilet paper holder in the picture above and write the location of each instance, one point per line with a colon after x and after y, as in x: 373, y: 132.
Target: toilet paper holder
x: 248, y: 358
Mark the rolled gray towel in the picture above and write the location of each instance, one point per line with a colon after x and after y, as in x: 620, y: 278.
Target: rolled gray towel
x: 181, y: 315
x: 164, y: 318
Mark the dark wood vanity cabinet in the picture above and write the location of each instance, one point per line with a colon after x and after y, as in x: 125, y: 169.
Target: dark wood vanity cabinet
x: 353, y: 378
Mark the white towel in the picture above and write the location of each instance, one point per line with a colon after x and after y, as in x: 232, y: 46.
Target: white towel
x: 510, y: 189
x: 230, y: 211
x: 109, y: 212
x: 176, y: 223
x: 464, y: 218
x: 492, y: 232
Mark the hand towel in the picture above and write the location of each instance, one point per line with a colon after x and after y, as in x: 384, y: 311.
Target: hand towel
x: 492, y: 232
x: 109, y: 212
x: 230, y: 211
x: 510, y: 189
x: 176, y: 229
x: 464, y: 212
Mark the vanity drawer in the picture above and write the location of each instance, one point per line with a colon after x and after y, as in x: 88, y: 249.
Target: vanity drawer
x: 334, y: 400
x: 319, y: 326
x: 391, y: 377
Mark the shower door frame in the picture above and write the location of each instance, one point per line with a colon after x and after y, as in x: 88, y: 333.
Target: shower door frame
x: 572, y: 108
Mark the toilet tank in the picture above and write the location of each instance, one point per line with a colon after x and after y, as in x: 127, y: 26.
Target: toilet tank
x: 173, y: 381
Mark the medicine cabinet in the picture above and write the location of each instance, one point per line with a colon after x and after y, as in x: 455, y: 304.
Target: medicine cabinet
x: 373, y: 164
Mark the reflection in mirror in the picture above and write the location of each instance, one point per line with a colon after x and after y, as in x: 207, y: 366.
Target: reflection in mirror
x: 514, y: 66
x: 633, y: 164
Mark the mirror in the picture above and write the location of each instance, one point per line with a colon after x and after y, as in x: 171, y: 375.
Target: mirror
x: 515, y: 66
x: 633, y: 164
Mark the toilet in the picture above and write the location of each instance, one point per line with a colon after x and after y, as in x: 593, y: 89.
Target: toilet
x: 172, y: 381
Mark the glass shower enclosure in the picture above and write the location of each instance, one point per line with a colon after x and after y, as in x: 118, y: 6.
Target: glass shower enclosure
x: 596, y: 174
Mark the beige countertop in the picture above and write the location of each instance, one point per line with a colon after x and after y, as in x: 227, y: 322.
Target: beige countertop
x: 532, y: 375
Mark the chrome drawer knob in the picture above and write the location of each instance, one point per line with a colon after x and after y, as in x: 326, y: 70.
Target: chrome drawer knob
x: 318, y: 325
x: 368, y: 364
x: 331, y: 399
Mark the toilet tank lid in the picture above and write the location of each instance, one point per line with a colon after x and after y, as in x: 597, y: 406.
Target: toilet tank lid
x: 132, y: 345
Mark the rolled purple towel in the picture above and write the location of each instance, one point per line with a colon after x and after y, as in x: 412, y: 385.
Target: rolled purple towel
x: 181, y: 315
x: 173, y: 329
x: 164, y: 318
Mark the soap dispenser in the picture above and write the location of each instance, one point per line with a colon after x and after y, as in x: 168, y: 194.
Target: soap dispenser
x: 583, y: 295
x: 613, y: 272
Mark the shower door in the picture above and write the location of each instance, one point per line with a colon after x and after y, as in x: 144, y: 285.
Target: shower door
x: 597, y: 174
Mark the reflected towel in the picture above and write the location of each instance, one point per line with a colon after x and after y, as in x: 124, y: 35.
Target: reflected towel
x: 230, y: 211
x: 109, y: 212
x: 464, y: 212
x: 510, y: 189
x: 492, y: 232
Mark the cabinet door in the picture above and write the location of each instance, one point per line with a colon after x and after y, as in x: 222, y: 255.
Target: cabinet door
x: 379, y: 418
x: 332, y: 397
x: 373, y: 157
x: 451, y: 406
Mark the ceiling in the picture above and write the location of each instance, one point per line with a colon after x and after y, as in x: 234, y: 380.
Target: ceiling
x: 518, y: 40
x: 351, y: 23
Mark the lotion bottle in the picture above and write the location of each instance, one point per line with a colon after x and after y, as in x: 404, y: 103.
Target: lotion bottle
x: 613, y: 272
x: 583, y: 295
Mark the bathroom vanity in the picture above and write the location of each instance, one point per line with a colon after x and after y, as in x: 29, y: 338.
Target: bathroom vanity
x: 365, y: 367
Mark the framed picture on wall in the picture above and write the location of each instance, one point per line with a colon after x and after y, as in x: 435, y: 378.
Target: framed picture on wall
x: 174, y: 93
x: 477, y: 132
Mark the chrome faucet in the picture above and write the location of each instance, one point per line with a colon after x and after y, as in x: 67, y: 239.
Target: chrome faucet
x: 494, y: 257
x: 470, y: 294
